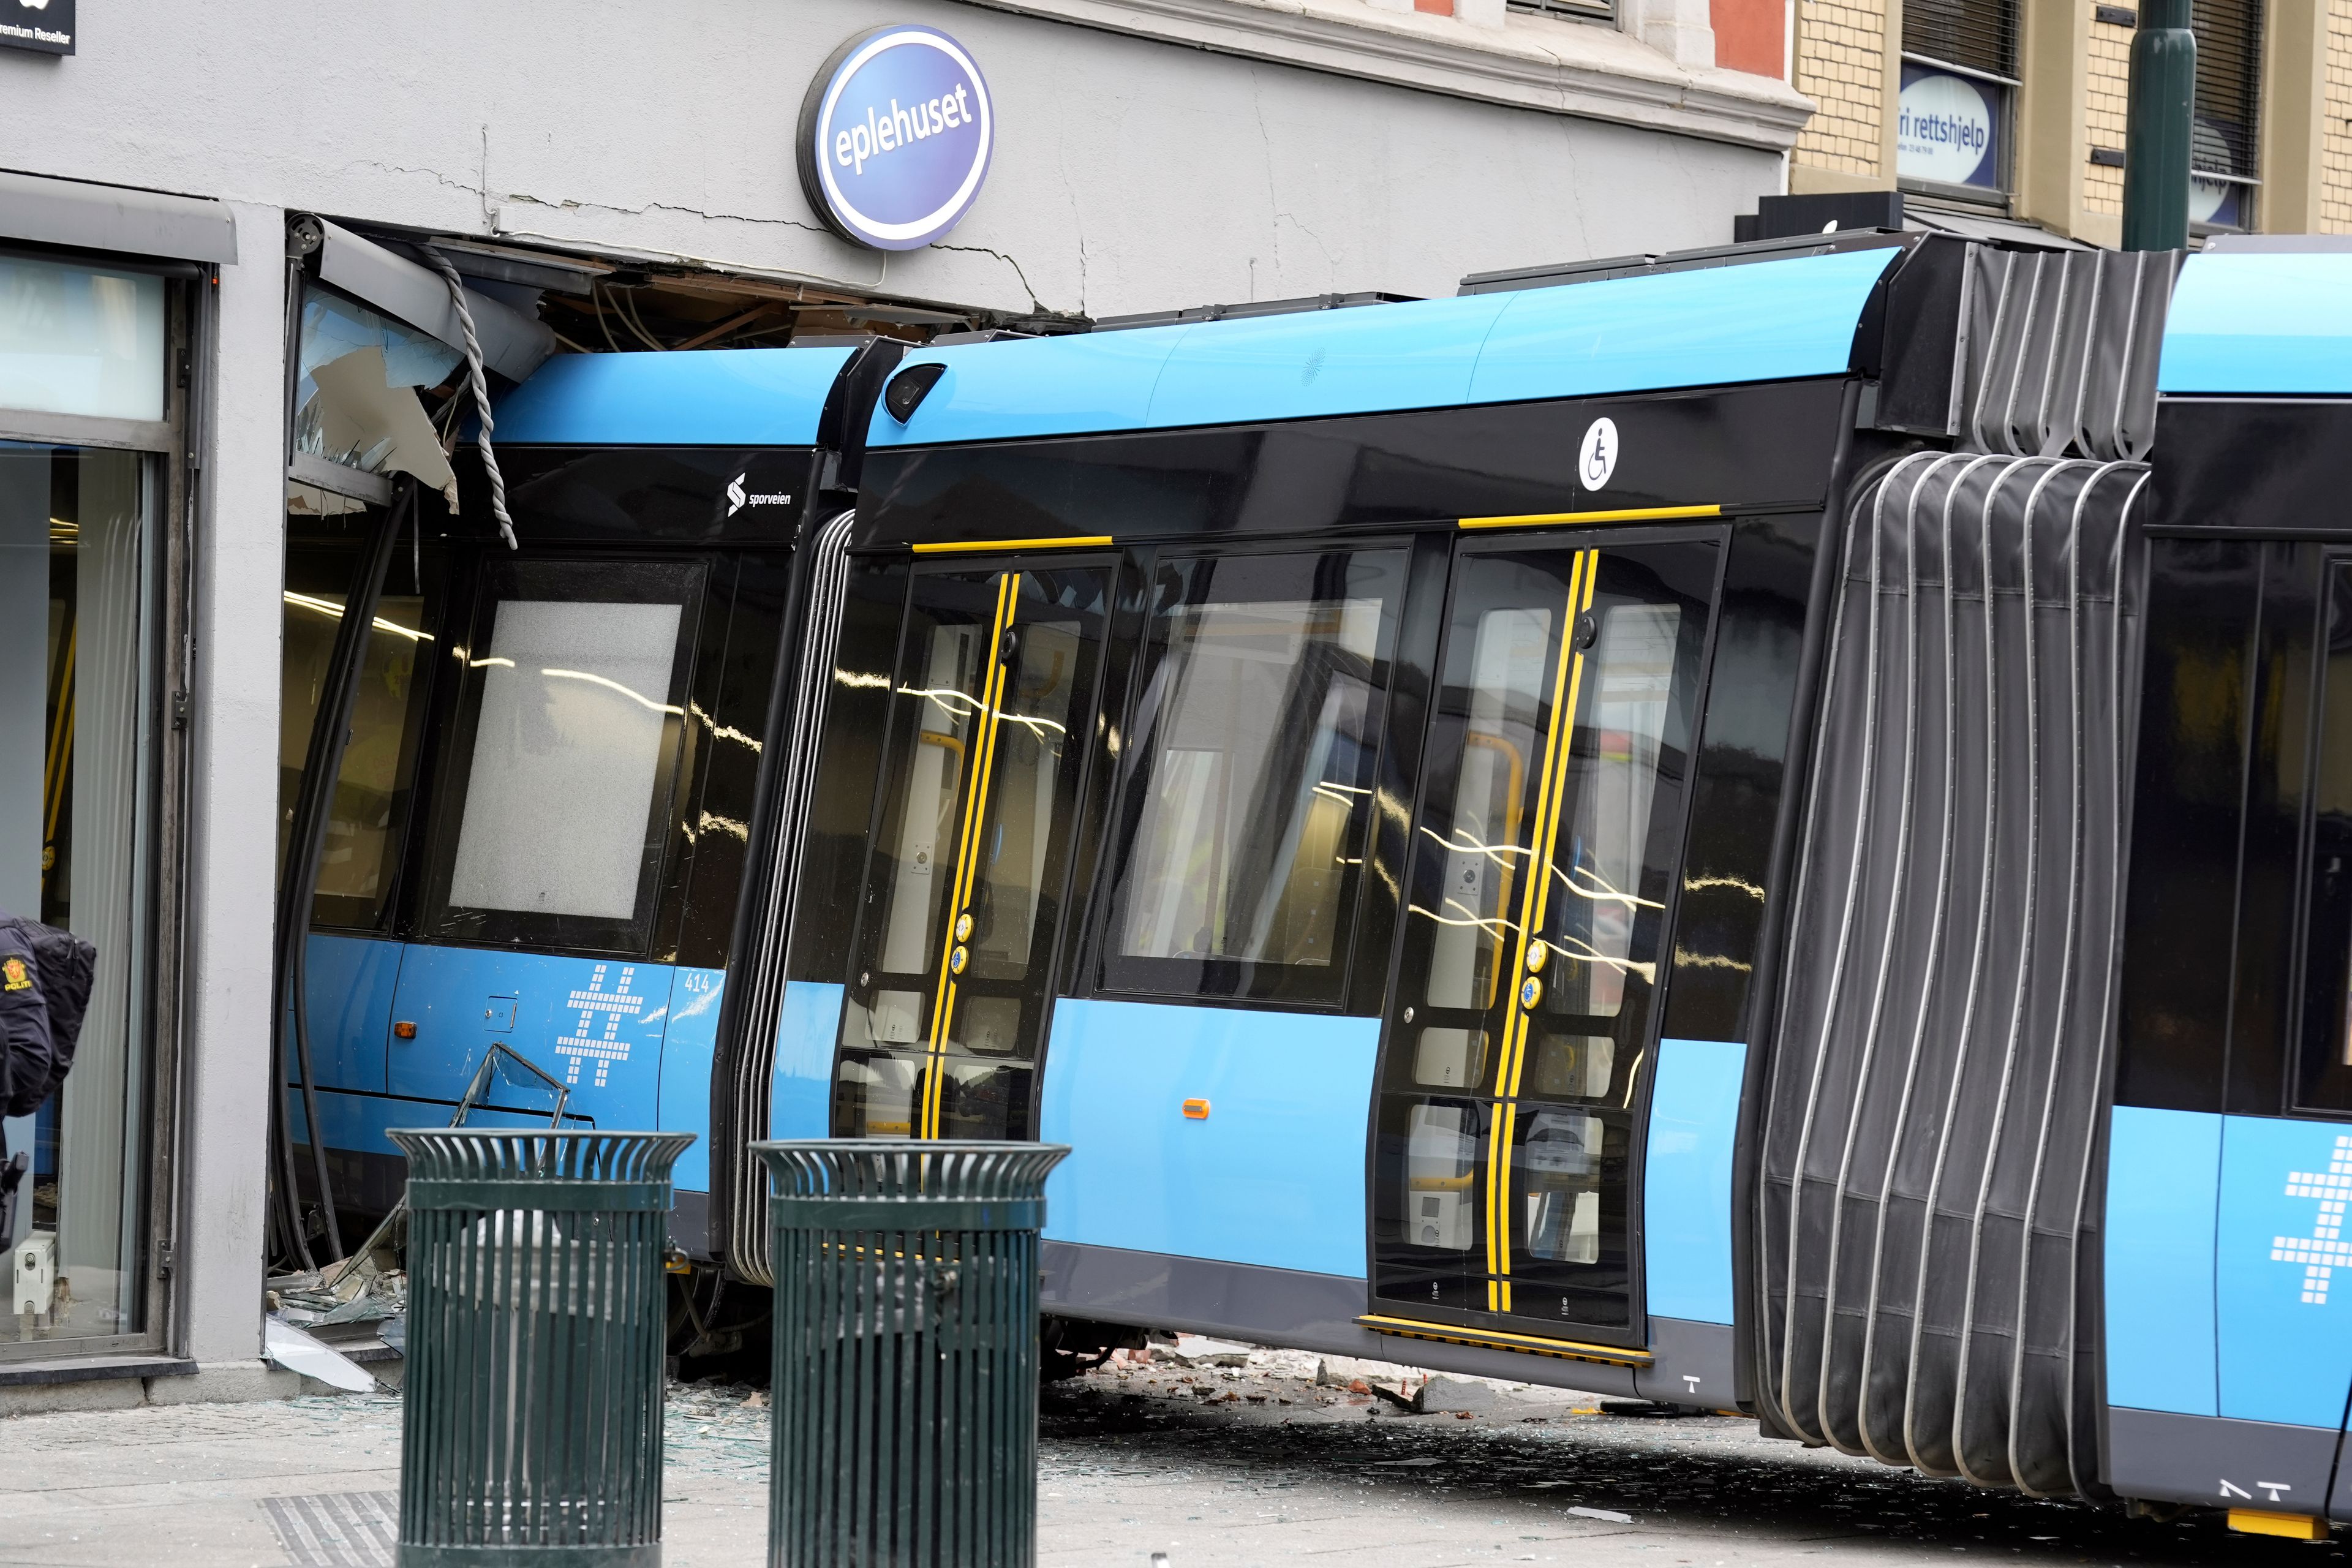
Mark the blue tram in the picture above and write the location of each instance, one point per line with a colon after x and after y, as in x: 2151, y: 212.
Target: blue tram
x: 542, y: 826
x: 1757, y: 828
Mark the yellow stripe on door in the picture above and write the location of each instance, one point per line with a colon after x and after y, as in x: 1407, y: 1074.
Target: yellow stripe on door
x: 975, y: 810
x: 1568, y: 680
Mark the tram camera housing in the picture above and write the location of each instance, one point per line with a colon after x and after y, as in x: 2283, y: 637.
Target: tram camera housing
x: 908, y: 388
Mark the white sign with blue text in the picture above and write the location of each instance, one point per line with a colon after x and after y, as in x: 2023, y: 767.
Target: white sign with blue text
x: 1947, y: 128
x: 895, y: 137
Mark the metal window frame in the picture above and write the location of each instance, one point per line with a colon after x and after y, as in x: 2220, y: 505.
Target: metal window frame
x: 88, y: 430
x: 1911, y: 59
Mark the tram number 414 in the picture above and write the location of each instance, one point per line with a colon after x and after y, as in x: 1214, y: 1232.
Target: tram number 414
x: 2277, y: 1490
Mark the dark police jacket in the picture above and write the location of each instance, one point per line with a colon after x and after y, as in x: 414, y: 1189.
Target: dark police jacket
x: 44, y: 978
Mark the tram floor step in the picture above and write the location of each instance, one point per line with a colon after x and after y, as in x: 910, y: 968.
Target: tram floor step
x: 1652, y: 1409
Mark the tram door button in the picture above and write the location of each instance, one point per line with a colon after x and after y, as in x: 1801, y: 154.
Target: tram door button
x: 498, y: 1015
x: 1196, y: 1110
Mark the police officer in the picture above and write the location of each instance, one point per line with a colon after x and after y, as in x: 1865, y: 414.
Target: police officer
x: 45, y: 978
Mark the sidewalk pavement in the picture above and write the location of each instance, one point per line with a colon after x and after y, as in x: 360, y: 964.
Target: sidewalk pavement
x: 1209, y: 1464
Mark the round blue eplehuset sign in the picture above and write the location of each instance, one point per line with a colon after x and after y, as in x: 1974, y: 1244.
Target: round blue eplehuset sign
x: 895, y: 137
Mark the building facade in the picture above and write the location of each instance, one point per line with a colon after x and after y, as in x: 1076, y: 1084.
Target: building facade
x: 2016, y: 108
x: 177, y: 189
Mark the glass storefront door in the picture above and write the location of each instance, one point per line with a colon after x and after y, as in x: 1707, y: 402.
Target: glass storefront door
x: 88, y: 424
x: 76, y: 573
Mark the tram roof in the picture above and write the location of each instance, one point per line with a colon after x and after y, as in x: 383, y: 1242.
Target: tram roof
x: 1762, y: 321
x: 696, y: 397
x: 2272, y: 323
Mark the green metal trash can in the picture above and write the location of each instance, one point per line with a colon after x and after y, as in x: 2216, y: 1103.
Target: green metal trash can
x: 536, y: 1316
x: 906, y: 1352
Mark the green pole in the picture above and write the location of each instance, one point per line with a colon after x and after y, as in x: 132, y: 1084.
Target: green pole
x: 2156, y: 139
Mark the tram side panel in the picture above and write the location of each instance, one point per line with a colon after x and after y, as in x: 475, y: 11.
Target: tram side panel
x: 2228, y: 1330
x: 566, y: 830
x: 1258, y: 1087
x: 1215, y: 1067
x: 1246, y: 1213
x: 1691, y: 1180
x: 843, y: 802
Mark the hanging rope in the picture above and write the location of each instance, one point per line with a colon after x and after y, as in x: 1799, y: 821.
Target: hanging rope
x: 480, y: 386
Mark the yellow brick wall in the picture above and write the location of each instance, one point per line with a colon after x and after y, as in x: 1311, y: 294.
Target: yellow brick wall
x: 2336, y: 136
x: 2106, y: 106
x: 1842, y: 65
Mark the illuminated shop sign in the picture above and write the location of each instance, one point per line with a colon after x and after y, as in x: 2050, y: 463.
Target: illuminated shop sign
x: 895, y: 137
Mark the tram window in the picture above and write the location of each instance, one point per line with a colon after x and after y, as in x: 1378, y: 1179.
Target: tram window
x: 1571, y: 1066
x: 367, y: 814
x: 1559, y: 1164
x: 1441, y: 1174
x: 997, y: 673
x: 922, y: 823
x: 2324, y: 1081
x: 1509, y: 660
x: 570, y: 736
x: 1633, y: 671
x: 1450, y: 1058
x: 1257, y: 732
x: 1011, y: 882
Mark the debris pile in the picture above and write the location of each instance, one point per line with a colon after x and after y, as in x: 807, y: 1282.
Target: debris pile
x: 346, y: 1324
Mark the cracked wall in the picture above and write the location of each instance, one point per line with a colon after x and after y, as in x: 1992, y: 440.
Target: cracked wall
x: 1129, y: 175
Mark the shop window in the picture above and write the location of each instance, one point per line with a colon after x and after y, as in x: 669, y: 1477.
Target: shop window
x: 1574, y: 10
x: 2223, y: 150
x: 1257, y: 736
x: 76, y: 590
x: 1952, y: 121
x: 575, y: 693
x: 80, y: 341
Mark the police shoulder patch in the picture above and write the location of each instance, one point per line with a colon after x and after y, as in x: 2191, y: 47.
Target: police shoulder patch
x: 13, y: 976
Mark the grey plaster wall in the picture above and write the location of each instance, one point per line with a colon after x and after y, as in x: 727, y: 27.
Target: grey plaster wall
x: 231, y: 807
x: 1129, y: 174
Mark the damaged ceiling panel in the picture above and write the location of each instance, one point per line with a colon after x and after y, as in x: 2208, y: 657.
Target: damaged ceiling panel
x: 514, y: 341
x: 380, y: 375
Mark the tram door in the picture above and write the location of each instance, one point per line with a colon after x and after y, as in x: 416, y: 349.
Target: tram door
x: 990, y: 718
x: 1523, y: 1008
